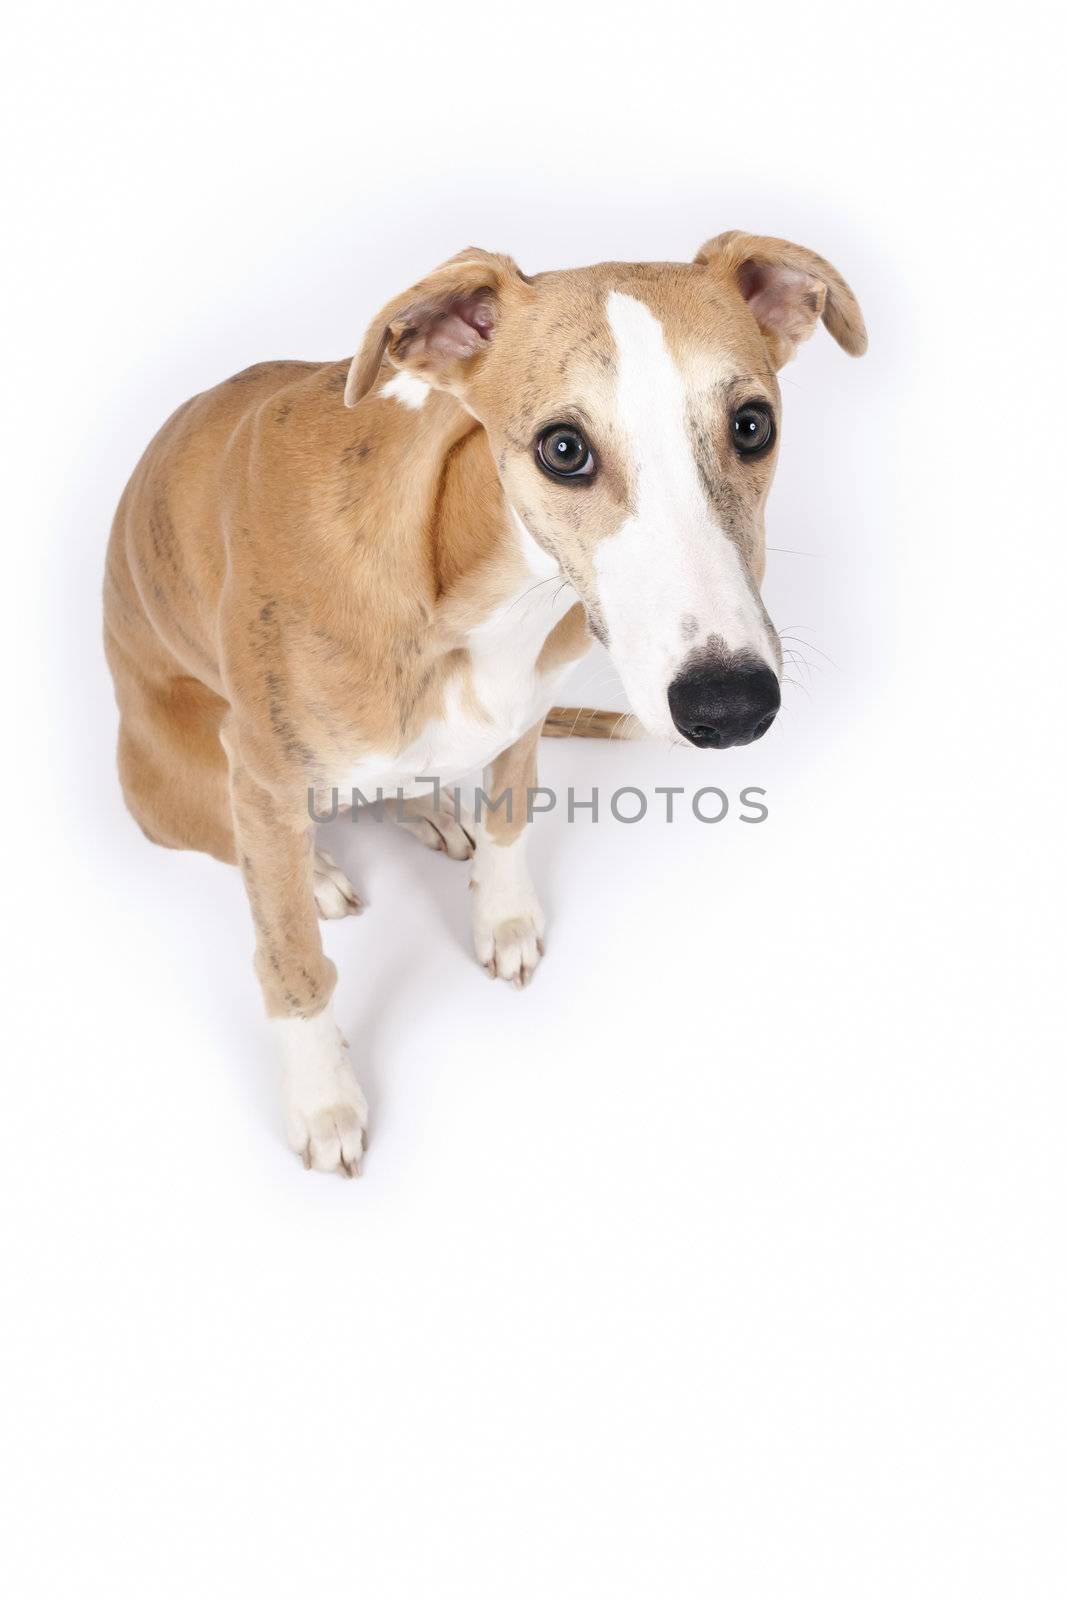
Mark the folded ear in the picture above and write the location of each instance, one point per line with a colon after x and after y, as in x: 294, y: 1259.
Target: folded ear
x: 787, y: 289
x: 436, y: 328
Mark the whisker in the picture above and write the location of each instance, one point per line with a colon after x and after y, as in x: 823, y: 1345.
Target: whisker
x: 795, y: 659
x: 552, y: 577
x: 807, y: 644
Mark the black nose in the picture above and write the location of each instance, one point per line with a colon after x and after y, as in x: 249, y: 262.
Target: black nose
x: 725, y: 703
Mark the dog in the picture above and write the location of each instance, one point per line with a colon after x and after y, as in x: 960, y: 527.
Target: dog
x: 367, y: 574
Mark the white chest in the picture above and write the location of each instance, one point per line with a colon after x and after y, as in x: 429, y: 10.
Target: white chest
x: 486, y: 709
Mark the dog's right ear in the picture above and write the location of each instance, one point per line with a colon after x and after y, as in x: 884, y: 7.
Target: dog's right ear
x: 438, y: 328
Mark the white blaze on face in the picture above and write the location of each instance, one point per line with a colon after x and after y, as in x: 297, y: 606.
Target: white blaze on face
x: 671, y: 560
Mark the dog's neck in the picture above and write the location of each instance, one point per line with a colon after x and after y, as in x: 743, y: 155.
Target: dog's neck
x: 451, y: 539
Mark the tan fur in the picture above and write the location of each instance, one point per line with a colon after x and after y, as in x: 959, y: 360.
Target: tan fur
x: 829, y: 296
x: 511, y: 776
x: 568, y: 641
x: 405, y: 329
x: 580, y: 722
x: 292, y: 581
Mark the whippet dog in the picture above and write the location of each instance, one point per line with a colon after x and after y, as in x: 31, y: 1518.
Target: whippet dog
x: 361, y: 575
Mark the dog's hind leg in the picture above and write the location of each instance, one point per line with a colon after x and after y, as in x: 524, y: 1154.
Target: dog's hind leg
x: 171, y: 763
x: 334, y: 895
x: 175, y: 779
x: 439, y: 826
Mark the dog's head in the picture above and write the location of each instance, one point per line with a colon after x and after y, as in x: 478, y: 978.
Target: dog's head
x: 633, y: 413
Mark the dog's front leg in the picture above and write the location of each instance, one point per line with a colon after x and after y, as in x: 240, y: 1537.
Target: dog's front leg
x: 325, y: 1111
x: 509, y: 924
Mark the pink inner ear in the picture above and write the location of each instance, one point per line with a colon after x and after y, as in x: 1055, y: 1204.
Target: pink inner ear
x: 462, y: 329
x: 782, y: 299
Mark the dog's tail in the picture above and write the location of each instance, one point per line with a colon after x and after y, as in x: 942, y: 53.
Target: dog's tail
x: 579, y: 722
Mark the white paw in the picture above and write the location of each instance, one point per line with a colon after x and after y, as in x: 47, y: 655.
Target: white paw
x: 442, y: 829
x: 325, y: 1108
x: 334, y: 895
x: 511, y: 949
x: 509, y: 925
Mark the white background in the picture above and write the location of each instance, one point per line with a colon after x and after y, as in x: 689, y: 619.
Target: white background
x: 729, y: 1258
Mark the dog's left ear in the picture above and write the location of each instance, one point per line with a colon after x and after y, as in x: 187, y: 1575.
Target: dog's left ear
x: 787, y: 289
x: 437, y: 328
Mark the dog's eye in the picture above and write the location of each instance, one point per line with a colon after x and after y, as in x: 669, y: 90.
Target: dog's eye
x: 564, y: 453
x: 752, y: 428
